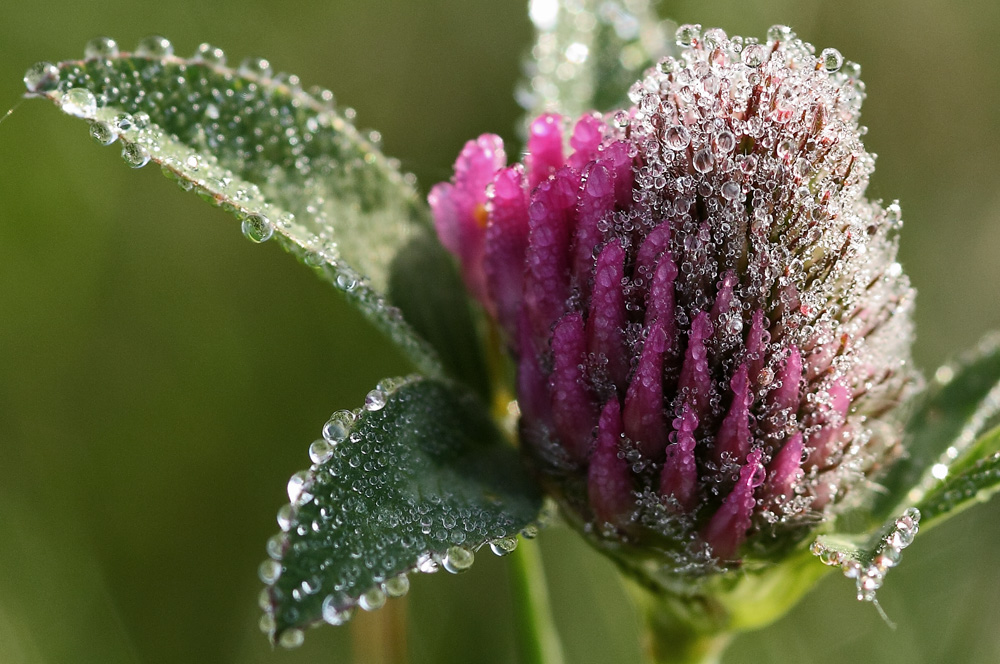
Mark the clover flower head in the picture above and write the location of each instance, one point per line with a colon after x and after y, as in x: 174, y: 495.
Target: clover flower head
x: 710, y: 327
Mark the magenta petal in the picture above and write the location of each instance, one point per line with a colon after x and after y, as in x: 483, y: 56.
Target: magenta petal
x: 644, y: 417
x: 606, y: 323
x: 573, y: 409
x: 679, y: 477
x: 661, y: 300
x: 596, y: 203
x: 784, y: 471
x: 785, y: 397
x: 757, y: 338
x: 616, y: 156
x: 506, y: 243
x: 609, y: 484
x: 650, y: 251
x: 827, y: 439
x: 724, y: 299
x: 733, y: 440
x: 586, y: 139
x: 695, y: 383
x: 459, y: 209
x: 532, y: 387
x: 545, y: 148
x: 550, y: 221
x: 727, y: 529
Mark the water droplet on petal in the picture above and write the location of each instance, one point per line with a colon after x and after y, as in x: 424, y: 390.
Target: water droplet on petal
x: 687, y: 34
x: 703, y: 161
x: 135, y: 155
x: 41, y: 77
x: 101, y: 48
x: 831, y: 59
x: 257, y: 228
x: 754, y: 55
x: 103, y: 133
x: 154, y: 46
x: 677, y: 137
x: 79, y: 102
x: 458, y: 559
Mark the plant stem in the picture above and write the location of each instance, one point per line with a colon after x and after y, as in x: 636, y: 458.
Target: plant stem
x: 380, y: 637
x: 538, y: 640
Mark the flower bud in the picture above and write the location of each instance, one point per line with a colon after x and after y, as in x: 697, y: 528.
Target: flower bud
x: 709, y: 324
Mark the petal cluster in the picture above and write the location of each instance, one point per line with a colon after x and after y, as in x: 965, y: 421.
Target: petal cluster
x: 710, y: 326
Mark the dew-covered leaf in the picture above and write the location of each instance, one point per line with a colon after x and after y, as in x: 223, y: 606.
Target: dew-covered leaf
x: 588, y: 52
x: 418, y: 479
x: 968, y: 483
x: 285, y: 162
x: 961, y: 404
x: 867, y: 559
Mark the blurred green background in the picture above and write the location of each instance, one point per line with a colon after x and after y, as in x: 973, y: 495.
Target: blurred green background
x: 161, y: 377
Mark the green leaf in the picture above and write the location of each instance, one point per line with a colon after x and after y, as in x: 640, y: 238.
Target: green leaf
x: 868, y: 559
x: 587, y: 52
x: 975, y: 482
x: 961, y: 403
x: 424, y: 282
x: 283, y: 161
x: 419, y: 479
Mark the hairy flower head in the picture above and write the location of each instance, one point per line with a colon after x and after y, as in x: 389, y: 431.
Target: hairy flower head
x: 710, y: 326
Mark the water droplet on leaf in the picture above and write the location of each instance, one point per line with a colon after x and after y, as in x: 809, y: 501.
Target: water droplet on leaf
x: 79, y: 102
x: 135, y: 155
x: 458, y: 559
x: 41, y: 77
x: 101, y: 47
x: 154, y: 46
x: 257, y: 228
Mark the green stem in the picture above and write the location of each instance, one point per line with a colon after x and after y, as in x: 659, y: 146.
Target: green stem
x: 538, y: 640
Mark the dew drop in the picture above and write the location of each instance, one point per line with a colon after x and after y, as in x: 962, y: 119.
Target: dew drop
x: 332, y: 614
x: 264, y: 599
x: 458, y: 559
x: 731, y: 191
x: 688, y: 34
x: 296, y: 484
x: 210, y: 55
x: 101, y: 48
x: 375, y: 400
x: 372, y: 600
x: 320, y: 451
x: 703, y: 161
x: 338, y: 426
x: 141, y: 120
x: 677, y: 137
x: 346, y: 282
x: 269, y: 571
x: 154, y: 46
x: 503, y: 545
x: 291, y: 638
x: 754, y: 55
x: 41, y: 77
x: 257, y: 228
x: 285, y: 517
x: 267, y: 623
x: 276, y: 545
x: 79, y: 102
x: 123, y: 121
x: 397, y: 586
x: 135, y: 155
x: 255, y: 67
x: 725, y: 141
x: 103, y: 133
x: 831, y: 59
